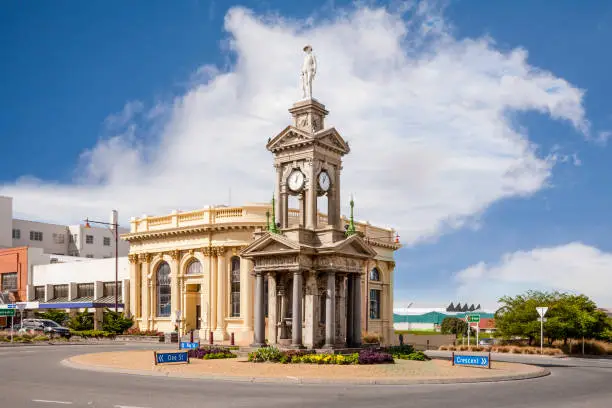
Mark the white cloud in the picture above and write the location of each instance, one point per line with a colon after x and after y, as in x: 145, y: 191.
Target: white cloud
x: 574, y: 267
x: 427, y: 115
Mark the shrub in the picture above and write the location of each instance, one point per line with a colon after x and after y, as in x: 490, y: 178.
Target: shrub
x: 116, y: 322
x: 82, y: 321
x: 262, y: 354
x: 92, y: 334
x: 210, y: 353
x: 135, y: 331
x: 405, y: 349
x: 58, y: 316
x: 415, y: 356
x: 339, y: 359
x: 371, y: 338
x: 374, y: 357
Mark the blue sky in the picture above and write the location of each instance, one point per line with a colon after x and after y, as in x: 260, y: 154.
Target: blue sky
x: 69, y: 67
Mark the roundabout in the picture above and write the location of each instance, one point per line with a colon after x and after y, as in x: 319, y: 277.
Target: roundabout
x: 402, y: 372
x: 35, y: 377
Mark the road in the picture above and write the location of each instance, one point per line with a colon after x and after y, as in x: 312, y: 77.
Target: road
x: 34, y: 377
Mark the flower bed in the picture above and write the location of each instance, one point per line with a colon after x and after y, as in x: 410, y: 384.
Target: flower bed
x: 211, y: 353
x: 274, y: 355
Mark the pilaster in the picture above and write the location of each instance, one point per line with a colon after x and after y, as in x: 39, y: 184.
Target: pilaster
x: 272, y: 309
x: 222, y: 277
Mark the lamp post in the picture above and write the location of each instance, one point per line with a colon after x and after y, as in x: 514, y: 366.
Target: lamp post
x: 114, y: 226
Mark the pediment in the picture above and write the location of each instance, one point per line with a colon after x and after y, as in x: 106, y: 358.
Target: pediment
x: 332, y: 139
x: 356, y: 246
x: 270, y: 244
x: 289, y: 137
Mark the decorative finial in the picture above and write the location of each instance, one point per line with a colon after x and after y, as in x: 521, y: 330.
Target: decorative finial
x: 397, y: 237
x: 272, y: 225
x: 351, y: 227
x: 309, y: 70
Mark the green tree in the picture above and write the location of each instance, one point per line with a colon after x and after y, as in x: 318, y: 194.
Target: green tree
x: 116, y: 322
x: 58, y: 316
x: 453, y: 325
x: 82, y: 321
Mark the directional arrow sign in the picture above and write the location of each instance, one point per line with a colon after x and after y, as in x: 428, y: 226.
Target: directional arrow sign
x: 7, y: 312
x: 478, y: 361
x: 542, y: 311
x: 473, y: 318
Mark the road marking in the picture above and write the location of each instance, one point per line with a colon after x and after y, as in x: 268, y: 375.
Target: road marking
x: 53, y: 402
x: 128, y: 406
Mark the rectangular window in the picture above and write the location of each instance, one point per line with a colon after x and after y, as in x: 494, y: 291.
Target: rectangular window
x: 58, y: 238
x: 108, y: 289
x: 72, y: 238
x: 89, y: 239
x: 60, y: 291
x: 89, y: 256
x: 235, y: 284
x: 39, y: 293
x: 16, y: 234
x: 85, y: 290
x: 374, y: 304
x: 106, y: 241
x: 9, y: 281
x: 36, y: 236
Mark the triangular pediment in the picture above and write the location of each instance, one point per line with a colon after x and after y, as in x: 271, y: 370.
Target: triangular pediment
x: 356, y: 246
x: 289, y: 137
x: 332, y: 139
x: 270, y: 244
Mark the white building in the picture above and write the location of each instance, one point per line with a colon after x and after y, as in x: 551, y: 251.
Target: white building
x: 71, y: 240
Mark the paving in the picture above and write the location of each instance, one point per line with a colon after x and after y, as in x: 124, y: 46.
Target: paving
x: 34, y: 377
x: 402, y: 372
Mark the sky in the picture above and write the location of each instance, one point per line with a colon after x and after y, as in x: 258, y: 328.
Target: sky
x: 479, y: 130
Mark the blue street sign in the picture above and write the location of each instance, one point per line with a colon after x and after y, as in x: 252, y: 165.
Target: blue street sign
x: 188, y: 345
x: 479, y: 361
x: 11, y: 306
x: 175, y: 357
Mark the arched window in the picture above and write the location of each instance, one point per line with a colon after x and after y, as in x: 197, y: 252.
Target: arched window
x: 162, y: 279
x: 194, y: 268
x: 374, y: 275
x: 235, y: 284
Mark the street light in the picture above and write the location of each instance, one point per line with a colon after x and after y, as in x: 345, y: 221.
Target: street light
x: 114, y: 224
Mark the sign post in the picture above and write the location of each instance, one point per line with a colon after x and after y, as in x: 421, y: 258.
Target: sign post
x: 472, y: 318
x: 542, y: 312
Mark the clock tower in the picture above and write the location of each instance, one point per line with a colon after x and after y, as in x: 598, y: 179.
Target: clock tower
x: 314, y: 267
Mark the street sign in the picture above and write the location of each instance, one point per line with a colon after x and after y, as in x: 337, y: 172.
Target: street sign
x: 21, y: 305
x: 478, y: 361
x: 473, y: 318
x: 172, y: 357
x: 187, y: 345
x: 7, y: 312
x: 542, y: 311
x: 11, y: 306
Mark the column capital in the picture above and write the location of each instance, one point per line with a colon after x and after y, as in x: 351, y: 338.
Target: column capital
x: 133, y: 258
x: 145, y: 257
x: 219, y: 251
x: 175, y: 254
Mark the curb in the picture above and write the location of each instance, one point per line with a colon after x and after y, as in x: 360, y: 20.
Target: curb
x: 61, y: 343
x: 540, y: 372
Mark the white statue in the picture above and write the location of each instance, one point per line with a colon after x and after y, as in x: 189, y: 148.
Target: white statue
x: 309, y: 70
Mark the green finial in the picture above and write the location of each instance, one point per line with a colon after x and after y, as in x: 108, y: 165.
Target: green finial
x: 351, y: 227
x: 272, y: 223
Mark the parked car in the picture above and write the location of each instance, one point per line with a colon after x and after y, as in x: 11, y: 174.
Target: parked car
x: 487, y: 342
x: 44, y: 325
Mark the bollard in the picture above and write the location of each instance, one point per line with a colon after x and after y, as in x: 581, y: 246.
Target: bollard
x: 427, y: 344
x: 453, y: 358
x: 210, y: 337
x: 401, y: 339
x: 191, y: 337
x: 232, y: 339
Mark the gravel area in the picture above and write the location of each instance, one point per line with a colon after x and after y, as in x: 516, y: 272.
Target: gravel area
x: 142, y: 360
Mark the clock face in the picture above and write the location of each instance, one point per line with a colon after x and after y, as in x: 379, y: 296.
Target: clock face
x: 296, y: 180
x: 324, y: 181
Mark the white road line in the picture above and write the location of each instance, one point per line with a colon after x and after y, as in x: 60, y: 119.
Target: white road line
x: 53, y: 402
x: 128, y: 406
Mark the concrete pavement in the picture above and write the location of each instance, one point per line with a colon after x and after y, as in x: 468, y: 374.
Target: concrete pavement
x: 34, y: 377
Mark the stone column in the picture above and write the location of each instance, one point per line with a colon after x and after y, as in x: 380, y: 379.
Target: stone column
x: 151, y: 304
x: 246, y: 298
x: 221, y: 298
x: 144, y: 290
x: 296, y: 322
x: 175, y: 290
x: 212, y: 284
x: 134, y: 278
x: 302, y: 212
x: 311, y: 198
x: 357, y: 309
x: 350, y: 307
x: 341, y: 308
x: 272, y: 309
x: 330, y: 311
x: 284, y: 307
x: 183, y: 305
x: 337, y: 202
x: 277, y: 193
x: 259, y: 338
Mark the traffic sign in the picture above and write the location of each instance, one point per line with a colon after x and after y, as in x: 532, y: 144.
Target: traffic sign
x: 7, y: 312
x: 473, y: 318
x: 187, y: 345
x: 21, y: 305
x: 174, y: 357
x: 478, y: 361
x: 11, y: 306
x: 542, y: 311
